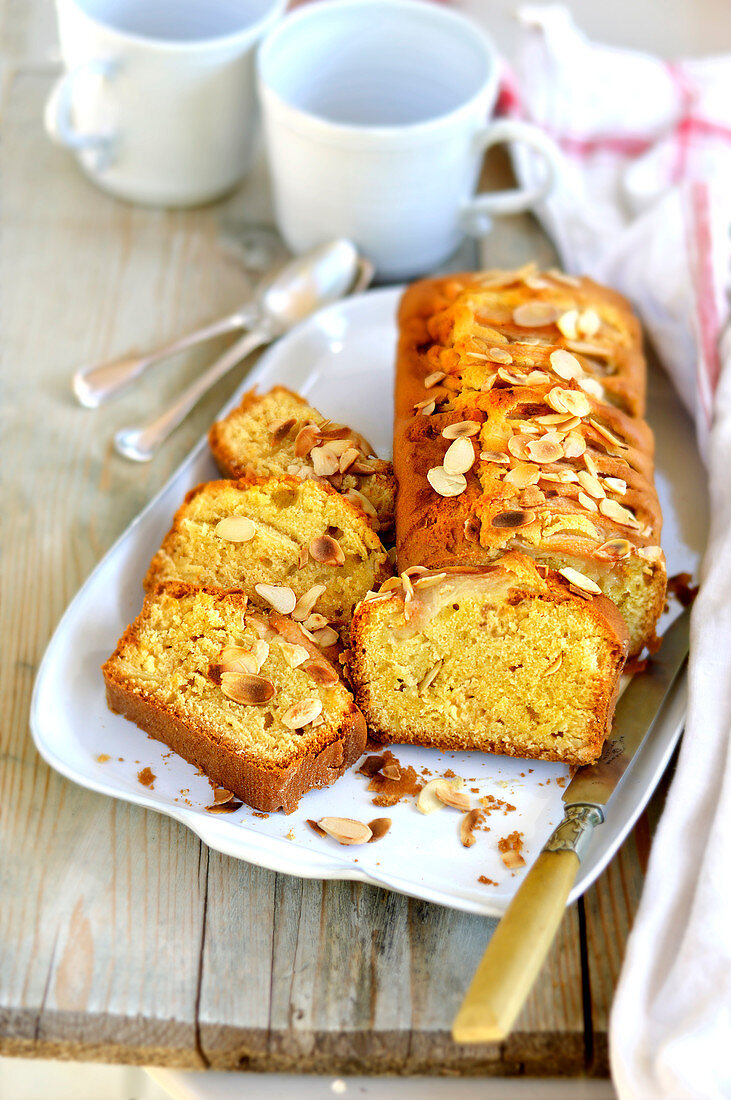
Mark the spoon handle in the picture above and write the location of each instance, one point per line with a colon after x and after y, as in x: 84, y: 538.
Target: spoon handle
x: 141, y: 444
x: 96, y: 384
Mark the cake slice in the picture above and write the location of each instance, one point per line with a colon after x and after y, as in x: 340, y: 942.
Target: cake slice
x: 278, y: 433
x: 247, y: 698
x: 289, y: 544
x: 513, y: 658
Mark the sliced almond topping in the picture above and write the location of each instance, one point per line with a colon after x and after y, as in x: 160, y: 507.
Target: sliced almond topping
x: 281, y: 598
x: 379, y: 827
x: 466, y: 827
x: 294, y: 655
x: 591, y: 464
x: 433, y: 378
x: 612, y: 510
x: 307, y: 437
x: 592, y: 387
x: 571, y: 402
x: 447, y: 485
x: 563, y: 277
x: 221, y: 796
x: 244, y: 687
x: 568, y: 324
x: 259, y: 626
x: 429, y: 801
x: 578, y: 580
x: 260, y: 649
x: 447, y: 794
x: 307, y: 601
x: 499, y: 277
x: 590, y: 484
x: 650, y: 553
x: 565, y: 365
x: 347, y: 458
x: 325, y: 637
x: 513, y: 378
x: 488, y: 383
x: 235, y: 529
x: 459, y: 456
x: 391, y: 771
x: 234, y: 658
x: 315, y: 622
x: 472, y: 528
x: 532, y: 497
x: 429, y: 677
x: 430, y: 581
x: 498, y: 457
x: 554, y: 665
x: 516, y: 518
x: 534, y: 314
x: 361, y: 468
x: 614, y: 549
x: 326, y: 550
x: 512, y: 859
x: 280, y: 429
x: 465, y: 427
x: 588, y: 503
x: 303, y: 556
x: 522, y: 475
x: 356, y: 497
x: 345, y: 830
x: 616, y: 485
x: 500, y: 355
x: 390, y: 583
x: 324, y: 460
x: 589, y: 323
x: 299, y: 715
x: 426, y: 407
x: 574, y: 445
x: 609, y: 436
x: 322, y: 672
x: 544, y: 450
x: 517, y: 445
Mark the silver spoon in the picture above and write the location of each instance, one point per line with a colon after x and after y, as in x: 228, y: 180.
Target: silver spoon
x: 304, y: 285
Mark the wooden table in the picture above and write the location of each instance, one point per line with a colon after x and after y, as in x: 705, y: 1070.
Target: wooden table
x: 123, y: 938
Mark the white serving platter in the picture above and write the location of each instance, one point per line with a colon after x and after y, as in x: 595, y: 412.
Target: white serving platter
x: 342, y: 361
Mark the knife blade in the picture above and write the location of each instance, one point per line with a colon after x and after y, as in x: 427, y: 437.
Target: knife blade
x: 521, y: 941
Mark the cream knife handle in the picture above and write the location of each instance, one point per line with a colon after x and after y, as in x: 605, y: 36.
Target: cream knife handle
x: 523, y: 937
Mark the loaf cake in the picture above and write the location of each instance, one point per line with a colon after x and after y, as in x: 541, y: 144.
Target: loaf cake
x: 519, y: 403
x: 512, y: 658
x: 248, y: 698
x: 278, y: 433
x: 297, y: 546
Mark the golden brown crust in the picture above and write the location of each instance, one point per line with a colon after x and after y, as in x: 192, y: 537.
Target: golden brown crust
x: 589, y: 483
x: 266, y: 788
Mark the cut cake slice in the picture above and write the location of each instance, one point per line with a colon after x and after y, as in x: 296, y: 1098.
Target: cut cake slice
x: 278, y: 539
x: 278, y: 433
x: 249, y: 699
x: 513, y: 658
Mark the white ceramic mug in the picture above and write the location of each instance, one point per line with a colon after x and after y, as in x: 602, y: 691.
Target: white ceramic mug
x: 375, y: 119
x: 158, y: 100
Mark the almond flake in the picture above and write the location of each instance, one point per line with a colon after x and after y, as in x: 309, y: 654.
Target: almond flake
x: 463, y: 428
x: 281, y: 598
x: 488, y: 384
x: 514, y: 518
x: 554, y: 665
x: 499, y: 457
x: 357, y: 498
x: 467, y: 825
x: 234, y: 658
x: 429, y: 581
x: 612, y: 510
x: 499, y: 278
x: 324, y: 460
x: 235, y: 529
x: 472, y: 528
x: 459, y: 457
x: 650, y: 553
x: 590, y: 484
x: 294, y: 655
x: 578, y: 580
x: 446, y: 484
x: 544, y: 450
x: 280, y: 429
x: 614, y: 549
x: 563, y: 277
x: 589, y: 323
x: 307, y: 437
x: 616, y: 484
x: 588, y: 503
x: 591, y: 464
x: 346, y: 830
x: 500, y: 355
x: 605, y: 432
x: 447, y: 794
x: 593, y: 388
x: 534, y: 314
x: 221, y: 796
x: 433, y: 378
x: 302, y: 713
x: 517, y: 445
x: 326, y: 637
x: 574, y: 445
x: 315, y: 622
x: 536, y: 378
x: 522, y: 475
x: 565, y: 365
x: 244, y: 687
x: 379, y: 827
x: 568, y: 401
x: 511, y: 377
x: 429, y: 801
x: 512, y: 859
x: 326, y: 550
x: 322, y: 672
x: 347, y: 458
x: 567, y: 324
x: 307, y: 601
x: 429, y: 677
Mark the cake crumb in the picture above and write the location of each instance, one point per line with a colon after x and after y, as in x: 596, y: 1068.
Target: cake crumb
x: 103, y: 757
x: 510, y: 848
x: 487, y: 881
x: 146, y: 777
x: 258, y: 813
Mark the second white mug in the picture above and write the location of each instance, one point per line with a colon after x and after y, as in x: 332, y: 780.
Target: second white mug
x: 375, y: 118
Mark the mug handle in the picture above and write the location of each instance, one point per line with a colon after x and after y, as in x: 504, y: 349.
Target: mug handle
x: 58, y: 115
x: 476, y: 213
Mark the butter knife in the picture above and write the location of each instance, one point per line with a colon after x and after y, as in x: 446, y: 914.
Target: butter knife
x: 521, y: 941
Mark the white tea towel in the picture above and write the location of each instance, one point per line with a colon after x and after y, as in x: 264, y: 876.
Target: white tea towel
x: 644, y: 204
